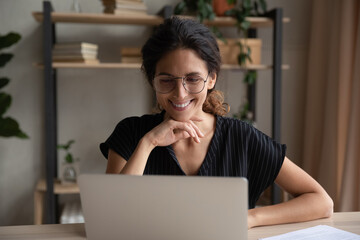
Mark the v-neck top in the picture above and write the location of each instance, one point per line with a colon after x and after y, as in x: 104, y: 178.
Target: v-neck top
x: 237, y: 149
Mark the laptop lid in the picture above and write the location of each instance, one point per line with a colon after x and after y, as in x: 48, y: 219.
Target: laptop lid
x: 164, y: 207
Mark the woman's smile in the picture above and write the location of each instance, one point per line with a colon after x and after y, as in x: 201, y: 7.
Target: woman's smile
x: 181, y: 106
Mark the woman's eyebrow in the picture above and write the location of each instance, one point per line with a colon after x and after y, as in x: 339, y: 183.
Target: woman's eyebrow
x: 187, y: 74
x: 164, y: 73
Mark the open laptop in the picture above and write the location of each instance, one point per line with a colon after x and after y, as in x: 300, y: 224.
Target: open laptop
x: 164, y: 207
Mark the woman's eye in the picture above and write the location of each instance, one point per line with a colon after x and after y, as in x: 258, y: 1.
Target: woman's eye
x: 166, y: 80
x: 193, y: 79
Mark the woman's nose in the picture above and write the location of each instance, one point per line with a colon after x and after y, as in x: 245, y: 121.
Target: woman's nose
x: 180, y: 90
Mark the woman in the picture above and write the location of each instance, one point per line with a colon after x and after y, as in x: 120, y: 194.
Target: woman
x: 181, y: 61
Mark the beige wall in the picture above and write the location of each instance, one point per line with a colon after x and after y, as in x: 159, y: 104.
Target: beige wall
x: 91, y: 102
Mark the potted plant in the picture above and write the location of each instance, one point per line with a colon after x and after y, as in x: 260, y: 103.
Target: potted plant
x: 240, y: 10
x: 9, y: 127
x: 69, y: 168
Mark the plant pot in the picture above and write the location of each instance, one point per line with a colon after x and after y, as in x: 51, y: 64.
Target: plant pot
x: 69, y: 172
x: 229, y: 51
x: 221, y: 6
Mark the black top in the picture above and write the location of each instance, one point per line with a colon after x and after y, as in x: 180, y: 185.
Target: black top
x: 236, y: 149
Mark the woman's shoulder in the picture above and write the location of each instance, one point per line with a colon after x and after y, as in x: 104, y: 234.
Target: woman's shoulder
x: 146, y: 119
x: 229, y: 122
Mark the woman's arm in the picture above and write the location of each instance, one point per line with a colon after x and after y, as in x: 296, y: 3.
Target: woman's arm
x: 310, y: 200
x: 164, y: 134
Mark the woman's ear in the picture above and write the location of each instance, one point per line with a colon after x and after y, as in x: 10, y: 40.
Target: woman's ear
x: 211, y: 80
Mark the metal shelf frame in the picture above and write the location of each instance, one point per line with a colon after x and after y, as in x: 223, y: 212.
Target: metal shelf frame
x: 50, y: 82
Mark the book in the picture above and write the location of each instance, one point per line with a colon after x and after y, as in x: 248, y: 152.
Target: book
x: 86, y: 61
x: 74, y: 57
x: 128, y: 12
x: 67, y: 51
x: 131, y: 7
x: 75, y: 45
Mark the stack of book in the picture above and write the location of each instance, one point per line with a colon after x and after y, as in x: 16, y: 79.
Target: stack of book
x: 79, y: 52
x: 131, y: 55
x: 72, y: 213
x: 125, y: 7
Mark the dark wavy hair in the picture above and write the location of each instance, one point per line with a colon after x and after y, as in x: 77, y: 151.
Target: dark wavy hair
x: 184, y: 33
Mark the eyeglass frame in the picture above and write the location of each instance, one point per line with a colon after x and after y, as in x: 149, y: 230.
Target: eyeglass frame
x: 183, y: 83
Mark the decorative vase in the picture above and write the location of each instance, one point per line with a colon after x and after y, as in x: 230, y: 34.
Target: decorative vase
x: 69, y: 172
x: 221, y: 6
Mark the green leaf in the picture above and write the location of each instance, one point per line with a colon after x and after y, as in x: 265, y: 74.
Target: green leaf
x: 250, y: 77
x: 66, y: 146
x: 4, y: 82
x: 22, y: 135
x: 231, y: 2
x: 5, y: 58
x: 218, y: 34
x: 10, y: 128
x: 9, y: 39
x: 263, y: 5
x: 69, y: 158
x: 248, y: 55
x: 5, y: 102
x: 179, y: 8
x: 247, y: 4
x: 241, y: 58
x: 256, y: 8
x: 245, y: 25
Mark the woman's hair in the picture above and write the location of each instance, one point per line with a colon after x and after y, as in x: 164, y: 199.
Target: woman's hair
x: 183, y: 33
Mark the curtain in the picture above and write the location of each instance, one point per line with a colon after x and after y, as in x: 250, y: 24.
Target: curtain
x: 332, y: 114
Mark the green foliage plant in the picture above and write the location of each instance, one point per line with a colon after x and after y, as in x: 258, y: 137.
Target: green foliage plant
x: 202, y: 9
x: 9, y: 127
x: 241, y: 12
x: 68, y: 155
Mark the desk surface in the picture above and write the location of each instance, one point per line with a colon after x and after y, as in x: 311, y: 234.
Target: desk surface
x: 349, y: 221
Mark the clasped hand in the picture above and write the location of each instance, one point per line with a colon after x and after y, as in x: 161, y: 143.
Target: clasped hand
x: 171, y: 131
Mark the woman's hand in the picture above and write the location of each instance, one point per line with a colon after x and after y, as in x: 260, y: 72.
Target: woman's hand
x: 171, y: 131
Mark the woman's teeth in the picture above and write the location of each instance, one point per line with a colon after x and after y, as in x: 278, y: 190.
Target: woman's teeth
x: 181, y: 105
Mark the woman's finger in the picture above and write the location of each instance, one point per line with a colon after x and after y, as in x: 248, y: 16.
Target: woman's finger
x: 197, y: 129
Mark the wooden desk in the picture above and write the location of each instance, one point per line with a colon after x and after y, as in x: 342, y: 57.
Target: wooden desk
x: 346, y: 221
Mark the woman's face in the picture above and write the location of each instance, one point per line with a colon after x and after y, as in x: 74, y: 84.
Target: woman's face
x: 179, y: 104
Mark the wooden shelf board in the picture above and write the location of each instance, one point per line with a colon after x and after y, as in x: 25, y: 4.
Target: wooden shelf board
x: 58, y: 187
x: 138, y: 66
x: 251, y: 67
x: 101, y: 18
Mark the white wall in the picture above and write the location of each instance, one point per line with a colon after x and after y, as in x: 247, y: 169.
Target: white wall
x: 91, y: 102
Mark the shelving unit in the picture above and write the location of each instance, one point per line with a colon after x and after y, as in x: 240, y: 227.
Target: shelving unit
x: 138, y: 65
x: 49, y: 18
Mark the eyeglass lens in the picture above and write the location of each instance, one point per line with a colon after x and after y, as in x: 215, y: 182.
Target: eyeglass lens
x: 192, y: 83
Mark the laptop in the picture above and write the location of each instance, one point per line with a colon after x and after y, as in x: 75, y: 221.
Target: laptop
x: 164, y: 207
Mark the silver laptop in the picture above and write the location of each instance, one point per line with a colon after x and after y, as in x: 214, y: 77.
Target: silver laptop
x: 164, y: 207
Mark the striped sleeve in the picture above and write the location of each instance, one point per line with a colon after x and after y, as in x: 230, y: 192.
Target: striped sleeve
x: 265, y: 158
x: 123, y: 139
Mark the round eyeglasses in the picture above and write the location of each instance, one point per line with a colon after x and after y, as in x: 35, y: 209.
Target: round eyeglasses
x: 193, y: 83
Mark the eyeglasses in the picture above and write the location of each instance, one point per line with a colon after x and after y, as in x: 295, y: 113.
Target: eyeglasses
x: 192, y: 83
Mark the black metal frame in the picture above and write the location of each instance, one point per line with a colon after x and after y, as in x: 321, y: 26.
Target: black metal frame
x: 49, y: 38
x: 276, y: 15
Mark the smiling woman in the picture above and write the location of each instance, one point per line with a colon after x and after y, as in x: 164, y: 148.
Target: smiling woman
x: 191, y: 136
